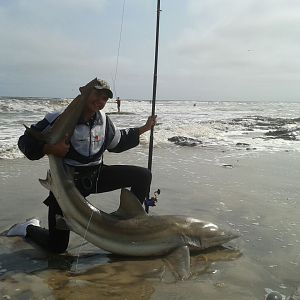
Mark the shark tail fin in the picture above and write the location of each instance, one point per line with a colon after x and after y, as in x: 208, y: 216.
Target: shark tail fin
x: 46, y: 183
x: 36, y: 134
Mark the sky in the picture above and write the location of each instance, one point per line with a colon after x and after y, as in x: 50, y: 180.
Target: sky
x: 209, y: 50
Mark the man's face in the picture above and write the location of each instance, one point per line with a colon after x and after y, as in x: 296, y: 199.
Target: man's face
x: 96, y: 100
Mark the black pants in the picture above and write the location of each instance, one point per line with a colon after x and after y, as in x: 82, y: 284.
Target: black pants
x: 90, y: 180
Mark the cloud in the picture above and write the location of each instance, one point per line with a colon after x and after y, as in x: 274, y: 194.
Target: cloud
x: 34, y: 47
x: 246, y: 42
x: 259, y: 27
x: 46, y: 6
x: 215, y: 47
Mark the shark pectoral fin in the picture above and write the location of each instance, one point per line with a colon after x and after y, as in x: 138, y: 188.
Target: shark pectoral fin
x: 130, y: 206
x: 46, y: 183
x: 179, y: 261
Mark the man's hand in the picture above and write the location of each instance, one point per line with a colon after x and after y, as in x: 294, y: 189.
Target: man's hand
x: 60, y: 149
x: 151, y: 122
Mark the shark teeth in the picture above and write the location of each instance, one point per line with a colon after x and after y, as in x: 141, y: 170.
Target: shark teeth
x: 192, y: 242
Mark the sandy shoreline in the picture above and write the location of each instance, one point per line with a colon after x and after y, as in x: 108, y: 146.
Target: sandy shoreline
x: 255, y: 193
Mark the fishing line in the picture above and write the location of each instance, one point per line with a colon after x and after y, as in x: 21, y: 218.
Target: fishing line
x: 88, y: 224
x: 75, y: 247
x: 83, y: 240
x: 119, y: 46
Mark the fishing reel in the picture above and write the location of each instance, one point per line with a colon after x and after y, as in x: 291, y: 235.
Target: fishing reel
x: 151, y: 201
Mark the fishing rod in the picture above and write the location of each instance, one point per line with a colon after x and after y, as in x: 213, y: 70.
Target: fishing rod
x: 154, y: 85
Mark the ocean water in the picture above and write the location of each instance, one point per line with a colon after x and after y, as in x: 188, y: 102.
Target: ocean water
x: 235, y: 164
x: 251, y: 126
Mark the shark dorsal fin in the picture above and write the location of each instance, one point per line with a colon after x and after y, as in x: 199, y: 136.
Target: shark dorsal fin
x: 130, y: 206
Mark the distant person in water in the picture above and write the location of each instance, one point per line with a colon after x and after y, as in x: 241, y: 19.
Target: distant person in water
x: 93, y: 134
x: 118, y: 104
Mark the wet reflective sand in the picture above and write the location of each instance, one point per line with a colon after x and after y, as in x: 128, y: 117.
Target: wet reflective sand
x: 258, y: 196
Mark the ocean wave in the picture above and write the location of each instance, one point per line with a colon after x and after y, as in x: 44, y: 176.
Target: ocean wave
x: 10, y: 152
x: 229, y: 125
x: 31, y: 105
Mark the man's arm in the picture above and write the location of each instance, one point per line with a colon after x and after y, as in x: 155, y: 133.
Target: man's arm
x: 126, y: 139
x: 151, y: 122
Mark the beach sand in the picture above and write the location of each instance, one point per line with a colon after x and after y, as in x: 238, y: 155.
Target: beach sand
x: 252, y: 192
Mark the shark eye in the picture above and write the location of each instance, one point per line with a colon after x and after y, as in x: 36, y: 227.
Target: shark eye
x: 211, y: 227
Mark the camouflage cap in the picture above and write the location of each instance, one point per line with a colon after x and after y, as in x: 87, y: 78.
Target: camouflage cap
x: 98, y: 84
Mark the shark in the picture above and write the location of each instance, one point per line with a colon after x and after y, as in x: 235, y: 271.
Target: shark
x: 129, y: 231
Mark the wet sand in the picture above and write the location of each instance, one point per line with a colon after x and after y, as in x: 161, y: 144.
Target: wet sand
x: 254, y: 193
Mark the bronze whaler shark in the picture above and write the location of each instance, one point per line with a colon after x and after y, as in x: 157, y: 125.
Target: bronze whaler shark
x: 129, y: 231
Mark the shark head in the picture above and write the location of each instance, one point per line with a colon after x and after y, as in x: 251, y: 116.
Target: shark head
x: 201, y: 234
